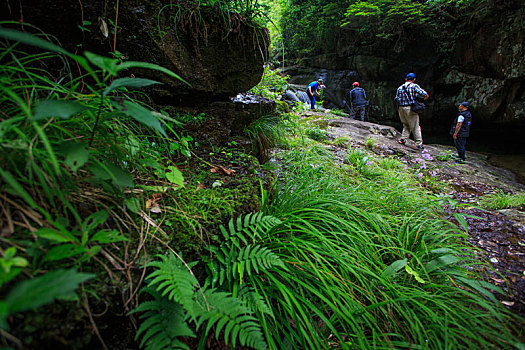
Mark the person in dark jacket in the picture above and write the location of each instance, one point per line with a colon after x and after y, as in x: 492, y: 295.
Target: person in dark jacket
x: 460, y: 129
x: 358, y: 101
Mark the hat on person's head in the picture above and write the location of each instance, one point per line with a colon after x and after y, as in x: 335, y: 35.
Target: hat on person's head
x: 464, y: 104
x: 320, y: 80
x: 411, y: 76
x: 355, y: 83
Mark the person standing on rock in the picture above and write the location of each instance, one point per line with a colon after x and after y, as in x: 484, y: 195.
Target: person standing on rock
x: 312, y: 89
x: 405, y: 97
x: 460, y: 129
x: 358, y: 101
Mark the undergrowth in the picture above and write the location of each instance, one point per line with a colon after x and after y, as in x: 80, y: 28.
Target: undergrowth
x: 340, y: 259
x: 338, y: 254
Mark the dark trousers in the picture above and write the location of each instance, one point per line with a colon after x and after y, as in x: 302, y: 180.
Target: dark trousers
x: 460, y: 143
x: 312, y: 99
x: 359, y: 110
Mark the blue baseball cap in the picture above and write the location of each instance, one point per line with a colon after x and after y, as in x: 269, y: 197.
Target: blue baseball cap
x: 411, y: 76
x: 464, y: 104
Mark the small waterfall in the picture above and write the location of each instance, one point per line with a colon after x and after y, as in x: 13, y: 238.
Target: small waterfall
x: 303, y: 97
x: 290, y: 96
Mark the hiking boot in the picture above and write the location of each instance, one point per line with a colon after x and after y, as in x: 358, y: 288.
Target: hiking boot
x: 420, y: 147
x: 402, y: 141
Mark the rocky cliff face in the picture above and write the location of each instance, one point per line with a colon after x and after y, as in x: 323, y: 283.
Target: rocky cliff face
x: 485, y: 66
x: 219, y: 54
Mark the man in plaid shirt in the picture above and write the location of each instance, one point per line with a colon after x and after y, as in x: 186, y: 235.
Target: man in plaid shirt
x: 405, y: 96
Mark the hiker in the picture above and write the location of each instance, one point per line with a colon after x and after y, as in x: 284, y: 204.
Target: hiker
x: 312, y: 89
x: 460, y: 129
x: 358, y: 101
x: 406, y: 97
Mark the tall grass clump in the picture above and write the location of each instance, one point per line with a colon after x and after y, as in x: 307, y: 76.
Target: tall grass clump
x: 265, y: 133
x: 502, y: 200
x: 354, y: 275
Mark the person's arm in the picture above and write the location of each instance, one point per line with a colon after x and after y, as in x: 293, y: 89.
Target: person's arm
x: 458, y: 127
x: 420, y: 92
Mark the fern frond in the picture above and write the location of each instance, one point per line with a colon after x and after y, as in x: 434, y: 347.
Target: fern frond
x: 253, y: 227
x: 163, y: 322
x: 234, y: 263
x: 171, y: 278
x: 232, y: 315
x: 254, y: 300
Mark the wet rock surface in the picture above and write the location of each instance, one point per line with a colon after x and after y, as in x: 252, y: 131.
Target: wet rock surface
x: 499, y: 234
x: 500, y: 237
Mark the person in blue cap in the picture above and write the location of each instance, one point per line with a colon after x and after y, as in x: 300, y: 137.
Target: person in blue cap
x: 358, y: 101
x: 405, y: 96
x: 460, y: 129
x: 312, y: 89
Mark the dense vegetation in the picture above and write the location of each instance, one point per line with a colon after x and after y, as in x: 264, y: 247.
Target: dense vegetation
x: 110, y: 208
x: 314, y: 27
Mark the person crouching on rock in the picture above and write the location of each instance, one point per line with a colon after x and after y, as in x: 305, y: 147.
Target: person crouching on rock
x: 312, y: 89
x: 460, y: 129
x: 357, y: 101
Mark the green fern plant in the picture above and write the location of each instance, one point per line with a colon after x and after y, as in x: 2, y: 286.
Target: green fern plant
x: 248, y: 229
x: 179, y: 302
x: 164, y: 321
x: 234, y: 316
x: 240, y: 253
x: 232, y: 263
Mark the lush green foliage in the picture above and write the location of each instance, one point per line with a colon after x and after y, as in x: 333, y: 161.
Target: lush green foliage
x: 272, y: 84
x: 222, y: 304
x: 313, y: 27
x: 502, y: 200
x: 309, y: 26
x: 341, y: 260
x: 61, y: 139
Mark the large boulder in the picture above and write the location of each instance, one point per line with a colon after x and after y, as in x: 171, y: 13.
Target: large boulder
x: 219, y: 53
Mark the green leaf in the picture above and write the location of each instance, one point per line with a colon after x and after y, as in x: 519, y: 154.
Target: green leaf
x: 76, y: 155
x: 175, y: 176
x: 480, y: 288
x: 94, y: 220
x: 132, y: 204
x: 30, y: 39
x: 121, y: 177
x: 33, y: 40
x: 394, y: 267
x: 56, y: 236
x: 135, y: 64
x: 150, y: 163
x: 56, y: 108
x: 18, y: 189
x: 108, y: 171
x: 9, y: 253
x: 440, y: 262
x: 31, y: 294
x: 410, y: 271
x: 129, y: 82
x: 461, y: 220
x: 107, y: 64
x: 64, y: 251
x: 108, y: 236
x: 141, y: 114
